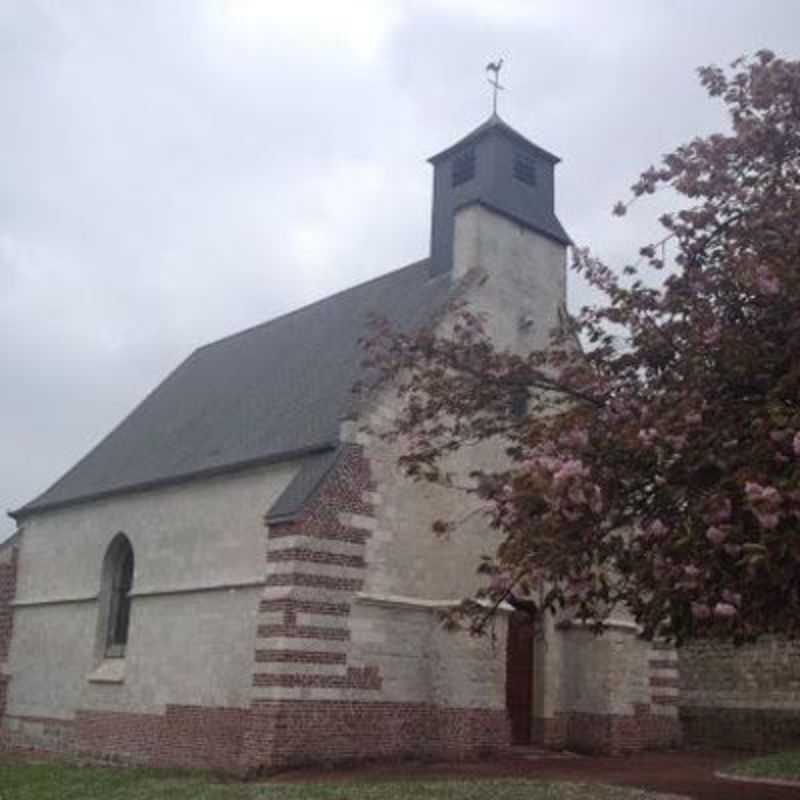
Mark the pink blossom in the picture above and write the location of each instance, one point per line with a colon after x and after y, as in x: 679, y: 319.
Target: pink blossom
x: 725, y: 610
x: 700, y: 611
x: 500, y: 583
x: 765, y: 502
x: 768, y: 495
x: 767, y: 519
x: 691, y: 579
x: 576, y: 438
x: 547, y: 463
x: 719, y: 510
x: 657, y: 529
x: 694, y: 418
x: 678, y: 442
x: 576, y: 495
x: 711, y: 336
x: 570, y: 469
x: 716, y: 535
x: 753, y: 490
x: 771, y: 496
x: 733, y: 550
x: 647, y: 436
x: 731, y: 597
x: 767, y: 282
x: 596, y: 500
x: 796, y: 444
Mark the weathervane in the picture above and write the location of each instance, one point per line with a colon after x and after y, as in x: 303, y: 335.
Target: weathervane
x: 495, y: 67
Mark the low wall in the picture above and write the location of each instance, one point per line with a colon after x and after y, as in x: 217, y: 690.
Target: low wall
x: 744, y: 697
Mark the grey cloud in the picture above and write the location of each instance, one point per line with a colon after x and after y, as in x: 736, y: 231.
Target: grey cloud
x: 167, y: 181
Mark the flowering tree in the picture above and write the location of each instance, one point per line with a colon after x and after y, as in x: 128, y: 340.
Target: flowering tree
x: 658, y: 463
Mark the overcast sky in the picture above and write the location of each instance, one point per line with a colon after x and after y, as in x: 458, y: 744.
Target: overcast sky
x: 175, y: 171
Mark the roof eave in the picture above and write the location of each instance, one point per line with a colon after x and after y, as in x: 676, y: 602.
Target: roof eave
x: 540, y: 229
x: 493, y: 127
x: 174, y: 480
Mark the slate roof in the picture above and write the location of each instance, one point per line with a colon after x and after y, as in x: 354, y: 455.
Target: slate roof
x: 494, y: 123
x: 270, y: 393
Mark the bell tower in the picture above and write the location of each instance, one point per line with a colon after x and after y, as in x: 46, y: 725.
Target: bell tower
x: 499, y: 169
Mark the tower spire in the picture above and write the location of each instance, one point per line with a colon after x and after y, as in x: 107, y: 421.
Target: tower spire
x: 495, y: 67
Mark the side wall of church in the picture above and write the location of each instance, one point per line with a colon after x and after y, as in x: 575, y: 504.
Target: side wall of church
x: 744, y: 697
x: 187, y: 671
x: 8, y: 586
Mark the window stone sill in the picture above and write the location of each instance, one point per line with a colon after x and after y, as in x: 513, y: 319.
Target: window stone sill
x: 111, y: 670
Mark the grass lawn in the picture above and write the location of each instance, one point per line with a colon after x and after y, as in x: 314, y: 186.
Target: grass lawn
x: 50, y: 781
x: 777, y: 765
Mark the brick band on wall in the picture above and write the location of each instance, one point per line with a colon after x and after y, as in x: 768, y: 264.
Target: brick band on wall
x: 615, y: 734
x: 664, y: 679
x: 295, y: 733
x: 314, y: 566
x: 183, y: 736
x: 268, y: 736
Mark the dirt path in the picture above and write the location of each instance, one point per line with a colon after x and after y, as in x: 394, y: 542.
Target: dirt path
x: 689, y: 774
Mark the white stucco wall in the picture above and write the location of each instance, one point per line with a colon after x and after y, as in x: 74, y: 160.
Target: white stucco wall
x: 526, y: 286
x: 605, y: 674
x: 199, y: 552
x: 523, y: 289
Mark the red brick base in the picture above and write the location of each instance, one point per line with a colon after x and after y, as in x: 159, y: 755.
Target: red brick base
x: 185, y: 736
x: 760, y: 729
x: 271, y: 735
x: 3, y: 694
x: 8, y: 587
x: 280, y: 734
x: 609, y: 734
x: 293, y: 733
x: 549, y: 732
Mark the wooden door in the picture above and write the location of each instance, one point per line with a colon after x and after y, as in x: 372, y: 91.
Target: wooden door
x: 519, y: 676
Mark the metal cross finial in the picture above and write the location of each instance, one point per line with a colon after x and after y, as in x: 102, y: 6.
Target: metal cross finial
x: 495, y: 67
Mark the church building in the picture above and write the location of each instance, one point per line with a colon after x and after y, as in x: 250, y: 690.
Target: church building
x: 239, y: 576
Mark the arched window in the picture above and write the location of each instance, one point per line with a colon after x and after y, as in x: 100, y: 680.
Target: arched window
x: 117, y: 585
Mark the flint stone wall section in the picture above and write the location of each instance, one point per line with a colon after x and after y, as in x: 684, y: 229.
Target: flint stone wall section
x: 744, y: 697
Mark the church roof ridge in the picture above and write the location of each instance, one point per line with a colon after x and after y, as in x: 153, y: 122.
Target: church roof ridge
x: 308, y: 306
